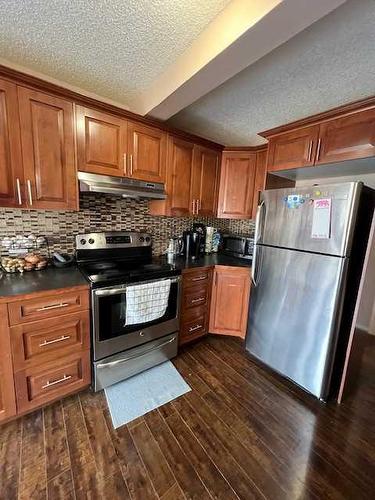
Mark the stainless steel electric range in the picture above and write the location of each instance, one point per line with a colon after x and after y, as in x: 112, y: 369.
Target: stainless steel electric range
x: 133, y: 327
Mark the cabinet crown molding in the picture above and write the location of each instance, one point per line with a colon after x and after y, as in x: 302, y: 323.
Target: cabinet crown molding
x: 337, y: 112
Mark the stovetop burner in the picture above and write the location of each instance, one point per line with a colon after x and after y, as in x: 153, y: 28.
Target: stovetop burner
x: 119, y: 258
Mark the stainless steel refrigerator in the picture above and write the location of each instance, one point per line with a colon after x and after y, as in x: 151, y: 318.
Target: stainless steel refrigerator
x: 302, y: 275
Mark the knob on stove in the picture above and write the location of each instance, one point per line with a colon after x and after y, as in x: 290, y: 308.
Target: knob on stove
x: 83, y: 242
x: 91, y: 241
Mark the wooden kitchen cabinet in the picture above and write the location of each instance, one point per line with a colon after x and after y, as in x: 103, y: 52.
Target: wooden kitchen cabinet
x: 230, y: 300
x: 347, y: 138
x: 45, y: 348
x: 47, y: 137
x: 11, y: 171
x: 147, y: 149
x: 204, y: 182
x: 195, y: 303
x: 7, y: 392
x: 293, y: 149
x: 237, y: 181
x: 101, y: 142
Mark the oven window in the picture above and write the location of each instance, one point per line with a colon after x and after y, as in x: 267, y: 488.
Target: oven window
x: 112, y: 314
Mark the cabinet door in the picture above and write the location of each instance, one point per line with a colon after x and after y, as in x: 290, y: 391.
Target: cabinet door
x: 7, y: 392
x: 101, y: 142
x: 347, y: 138
x: 11, y: 176
x: 147, y: 148
x: 237, y: 185
x: 293, y: 150
x: 230, y: 301
x: 180, y: 165
x: 47, y: 137
x: 205, y: 181
x: 260, y: 179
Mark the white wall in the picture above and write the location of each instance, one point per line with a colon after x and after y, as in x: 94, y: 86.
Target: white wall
x: 367, y: 305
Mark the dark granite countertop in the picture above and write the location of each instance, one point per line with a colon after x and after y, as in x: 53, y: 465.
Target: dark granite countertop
x: 215, y: 259
x: 52, y: 278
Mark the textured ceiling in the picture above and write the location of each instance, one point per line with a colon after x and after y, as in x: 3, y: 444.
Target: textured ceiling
x: 330, y: 63
x: 115, y: 48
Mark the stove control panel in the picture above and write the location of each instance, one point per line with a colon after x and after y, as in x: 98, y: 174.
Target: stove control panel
x: 118, y: 239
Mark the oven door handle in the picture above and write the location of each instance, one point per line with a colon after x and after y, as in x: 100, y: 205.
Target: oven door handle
x: 123, y: 360
x: 122, y: 289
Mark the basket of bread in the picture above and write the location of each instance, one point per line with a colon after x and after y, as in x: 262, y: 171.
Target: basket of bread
x: 29, y: 262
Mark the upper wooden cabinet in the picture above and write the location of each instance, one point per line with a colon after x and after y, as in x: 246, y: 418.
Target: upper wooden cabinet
x: 334, y: 139
x: 180, y: 167
x: 347, y: 138
x: 205, y: 180
x: 101, y: 142
x: 147, y: 149
x: 230, y: 300
x: 109, y: 145
x: 237, y: 178
x: 11, y: 172
x: 293, y: 149
x: 47, y: 137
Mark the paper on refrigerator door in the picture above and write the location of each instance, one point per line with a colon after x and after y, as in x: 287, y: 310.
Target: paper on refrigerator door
x: 321, y: 225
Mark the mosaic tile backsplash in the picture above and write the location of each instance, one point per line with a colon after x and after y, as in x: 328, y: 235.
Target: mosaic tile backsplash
x: 105, y: 213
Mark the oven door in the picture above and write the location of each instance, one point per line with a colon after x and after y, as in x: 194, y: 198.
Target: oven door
x: 111, y: 334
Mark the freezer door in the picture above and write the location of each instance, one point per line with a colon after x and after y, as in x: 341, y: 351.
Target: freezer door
x: 286, y: 217
x: 295, y: 308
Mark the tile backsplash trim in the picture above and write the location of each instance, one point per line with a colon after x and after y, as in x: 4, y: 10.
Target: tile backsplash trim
x: 105, y: 213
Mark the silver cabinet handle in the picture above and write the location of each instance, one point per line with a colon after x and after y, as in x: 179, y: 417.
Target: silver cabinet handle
x: 131, y: 165
x: 310, y: 150
x: 53, y: 306
x: 29, y: 191
x: 125, y: 163
x: 133, y: 356
x: 193, y: 207
x: 194, y: 301
x: 19, y: 191
x: 60, y: 339
x: 318, y: 149
x: 54, y: 382
x: 199, y: 278
x: 194, y: 328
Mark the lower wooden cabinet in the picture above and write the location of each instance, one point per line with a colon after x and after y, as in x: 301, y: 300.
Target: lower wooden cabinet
x: 230, y: 301
x: 44, y: 347
x: 195, y: 304
x: 7, y: 393
x: 214, y: 300
x: 42, y: 384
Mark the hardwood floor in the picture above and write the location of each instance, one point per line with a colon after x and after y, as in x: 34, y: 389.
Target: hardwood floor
x: 241, y: 432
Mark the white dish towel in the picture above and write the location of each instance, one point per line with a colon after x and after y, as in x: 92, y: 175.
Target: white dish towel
x: 147, y: 302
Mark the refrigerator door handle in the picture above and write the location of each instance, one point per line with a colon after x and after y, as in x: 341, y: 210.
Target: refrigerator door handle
x: 256, y: 239
x: 257, y: 233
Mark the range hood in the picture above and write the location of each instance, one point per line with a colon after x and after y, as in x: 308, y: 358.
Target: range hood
x: 120, y: 186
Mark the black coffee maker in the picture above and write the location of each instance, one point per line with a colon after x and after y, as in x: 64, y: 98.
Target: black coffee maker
x: 192, y: 244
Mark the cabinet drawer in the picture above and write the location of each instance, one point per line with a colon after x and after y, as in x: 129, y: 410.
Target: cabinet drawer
x: 48, y: 305
x: 195, y: 297
x: 41, y: 341
x: 196, y: 277
x: 194, y: 325
x: 40, y: 385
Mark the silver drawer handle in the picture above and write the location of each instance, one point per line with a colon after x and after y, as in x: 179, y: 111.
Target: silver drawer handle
x: 197, y: 300
x: 196, y: 327
x: 54, y: 382
x: 128, y: 358
x: 54, y: 306
x: 200, y: 278
x: 60, y: 339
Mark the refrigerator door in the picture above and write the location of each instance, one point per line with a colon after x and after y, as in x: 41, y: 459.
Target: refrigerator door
x: 289, y: 217
x: 295, y: 309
